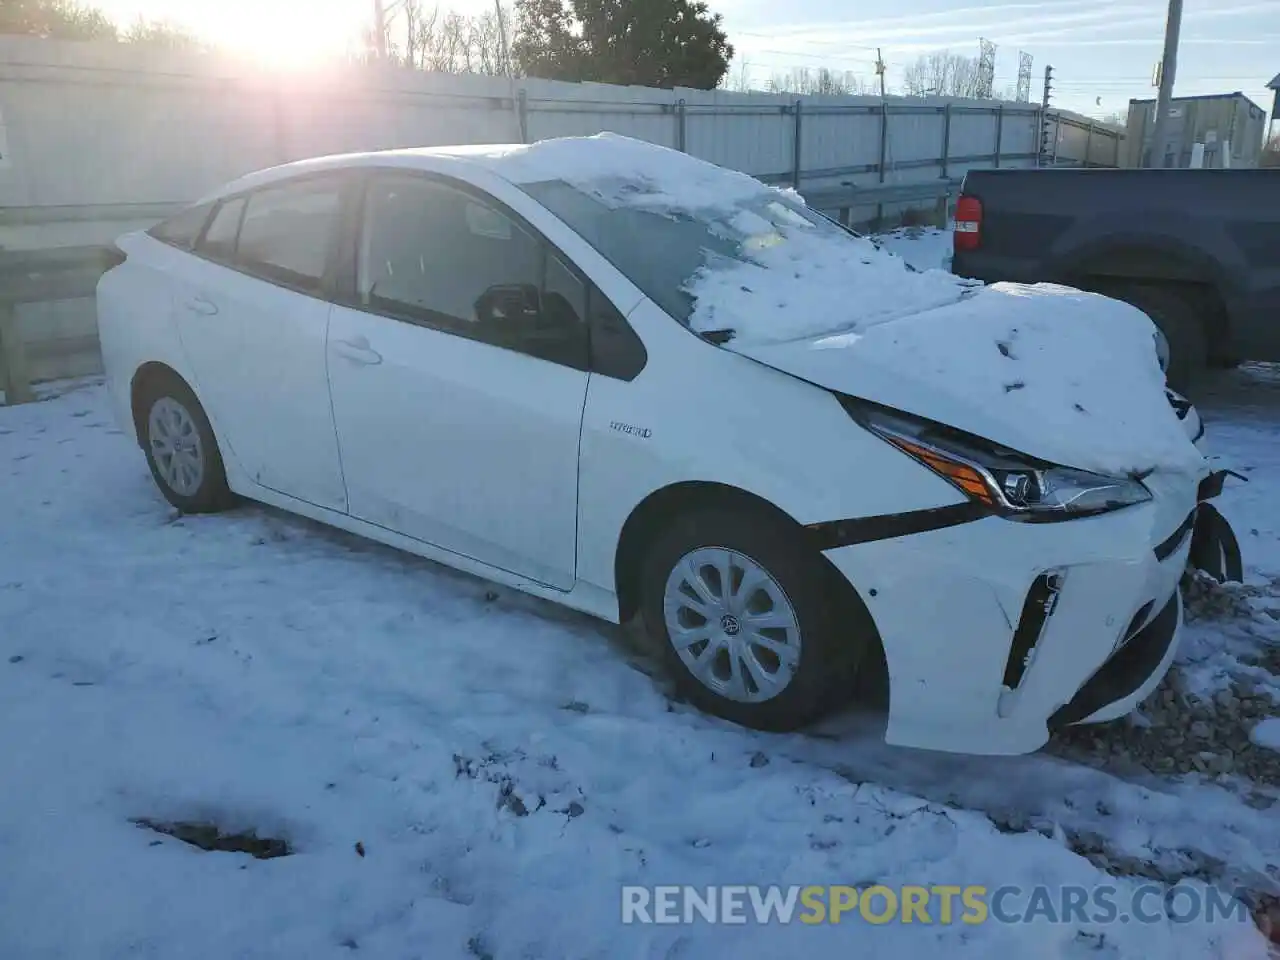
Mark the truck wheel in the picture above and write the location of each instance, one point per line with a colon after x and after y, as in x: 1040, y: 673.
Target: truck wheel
x: 1179, y: 321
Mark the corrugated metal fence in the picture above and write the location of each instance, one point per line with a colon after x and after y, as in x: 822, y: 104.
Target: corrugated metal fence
x: 98, y: 139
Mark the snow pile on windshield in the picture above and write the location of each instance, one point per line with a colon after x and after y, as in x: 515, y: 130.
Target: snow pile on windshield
x: 786, y: 261
x: 795, y: 281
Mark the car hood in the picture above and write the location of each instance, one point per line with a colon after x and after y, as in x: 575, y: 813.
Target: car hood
x: 1056, y: 373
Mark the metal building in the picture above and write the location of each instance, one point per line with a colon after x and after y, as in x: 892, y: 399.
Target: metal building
x: 1229, y: 126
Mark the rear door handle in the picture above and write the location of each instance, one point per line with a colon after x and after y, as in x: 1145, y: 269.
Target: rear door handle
x: 202, y: 305
x: 357, y: 351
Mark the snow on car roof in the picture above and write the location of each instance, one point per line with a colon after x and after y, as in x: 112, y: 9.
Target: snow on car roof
x: 671, y: 178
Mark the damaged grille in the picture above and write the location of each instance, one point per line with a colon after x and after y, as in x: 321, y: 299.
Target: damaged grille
x: 1038, y: 607
x: 1167, y: 547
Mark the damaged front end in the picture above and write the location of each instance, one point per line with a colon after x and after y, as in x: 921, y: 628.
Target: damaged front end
x: 1214, y: 547
x: 1215, y: 550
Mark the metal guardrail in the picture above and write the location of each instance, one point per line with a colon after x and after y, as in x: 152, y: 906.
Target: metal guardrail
x: 849, y: 195
x: 37, y: 276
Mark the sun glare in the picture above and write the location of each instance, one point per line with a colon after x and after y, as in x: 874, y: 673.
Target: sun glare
x: 289, y: 34
x: 284, y: 33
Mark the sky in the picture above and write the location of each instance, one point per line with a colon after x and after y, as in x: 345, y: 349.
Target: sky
x: 1103, y: 51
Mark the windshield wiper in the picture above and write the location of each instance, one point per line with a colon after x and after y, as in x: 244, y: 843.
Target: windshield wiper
x: 718, y: 337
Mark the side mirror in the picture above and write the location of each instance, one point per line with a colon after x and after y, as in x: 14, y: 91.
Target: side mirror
x: 510, y: 304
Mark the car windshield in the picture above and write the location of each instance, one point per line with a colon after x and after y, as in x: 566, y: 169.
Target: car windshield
x: 660, y: 249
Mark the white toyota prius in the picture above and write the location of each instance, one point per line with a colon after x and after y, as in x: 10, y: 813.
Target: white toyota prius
x: 636, y: 383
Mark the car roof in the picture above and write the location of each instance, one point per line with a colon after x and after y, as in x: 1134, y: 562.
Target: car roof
x: 439, y: 159
x: 574, y: 159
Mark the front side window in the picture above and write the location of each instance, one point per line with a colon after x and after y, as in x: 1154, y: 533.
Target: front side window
x: 438, y: 255
x: 287, y: 231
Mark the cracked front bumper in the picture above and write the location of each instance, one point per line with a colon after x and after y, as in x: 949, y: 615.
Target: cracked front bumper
x: 949, y: 603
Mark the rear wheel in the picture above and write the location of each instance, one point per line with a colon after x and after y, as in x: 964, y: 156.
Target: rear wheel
x: 181, y: 450
x: 1181, y: 334
x: 744, y: 613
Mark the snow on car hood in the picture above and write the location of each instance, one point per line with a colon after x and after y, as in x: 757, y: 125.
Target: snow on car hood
x: 1056, y: 373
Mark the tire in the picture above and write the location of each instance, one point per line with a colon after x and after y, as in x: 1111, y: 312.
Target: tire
x: 1179, y: 321
x: 193, y: 479
x: 822, y: 652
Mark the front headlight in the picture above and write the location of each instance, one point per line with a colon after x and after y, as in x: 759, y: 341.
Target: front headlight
x: 1012, y: 484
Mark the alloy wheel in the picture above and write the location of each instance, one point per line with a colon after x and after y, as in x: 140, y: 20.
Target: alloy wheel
x: 175, y: 446
x: 732, y: 624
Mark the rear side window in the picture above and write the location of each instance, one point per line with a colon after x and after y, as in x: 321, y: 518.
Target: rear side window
x: 219, y: 241
x: 288, y: 230
x: 182, y: 229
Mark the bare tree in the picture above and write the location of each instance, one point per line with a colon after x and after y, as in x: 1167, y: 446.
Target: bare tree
x: 1271, y: 153
x: 943, y: 75
x: 486, y: 39
x: 823, y: 81
x: 738, y: 79
x: 411, y: 10
x: 60, y: 19
x: 449, y: 42
x: 161, y: 33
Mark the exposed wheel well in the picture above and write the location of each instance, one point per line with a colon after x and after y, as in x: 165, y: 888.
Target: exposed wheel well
x: 651, y: 515
x: 1109, y: 272
x: 145, y: 378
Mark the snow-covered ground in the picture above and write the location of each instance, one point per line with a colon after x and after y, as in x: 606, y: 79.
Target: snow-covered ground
x: 461, y: 771
x: 925, y: 248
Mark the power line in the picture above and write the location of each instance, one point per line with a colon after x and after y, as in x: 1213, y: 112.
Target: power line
x: 814, y: 56
x: 1122, y: 81
x: 823, y: 43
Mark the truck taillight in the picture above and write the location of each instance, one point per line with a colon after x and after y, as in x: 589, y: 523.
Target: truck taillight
x: 968, y: 234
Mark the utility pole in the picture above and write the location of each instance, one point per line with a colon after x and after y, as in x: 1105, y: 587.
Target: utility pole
x: 502, y: 36
x: 1044, y: 116
x: 880, y: 70
x: 1168, y: 67
x: 510, y: 69
x: 379, y: 30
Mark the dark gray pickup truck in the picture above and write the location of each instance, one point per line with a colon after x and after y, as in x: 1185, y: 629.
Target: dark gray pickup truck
x: 1197, y: 250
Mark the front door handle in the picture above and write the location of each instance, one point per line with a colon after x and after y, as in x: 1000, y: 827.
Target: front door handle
x: 202, y: 305
x: 357, y: 351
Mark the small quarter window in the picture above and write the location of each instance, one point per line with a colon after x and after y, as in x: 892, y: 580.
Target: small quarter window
x: 219, y: 242
x: 182, y: 229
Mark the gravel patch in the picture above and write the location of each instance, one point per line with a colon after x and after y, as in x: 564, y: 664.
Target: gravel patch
x: 1181, y: 729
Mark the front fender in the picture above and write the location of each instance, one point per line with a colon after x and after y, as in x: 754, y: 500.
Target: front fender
x: 735, y: 422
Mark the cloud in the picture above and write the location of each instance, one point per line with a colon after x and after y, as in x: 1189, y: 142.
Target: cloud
x: 1004, y: 23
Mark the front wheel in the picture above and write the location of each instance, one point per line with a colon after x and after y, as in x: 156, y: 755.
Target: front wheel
x: 748, y: 618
